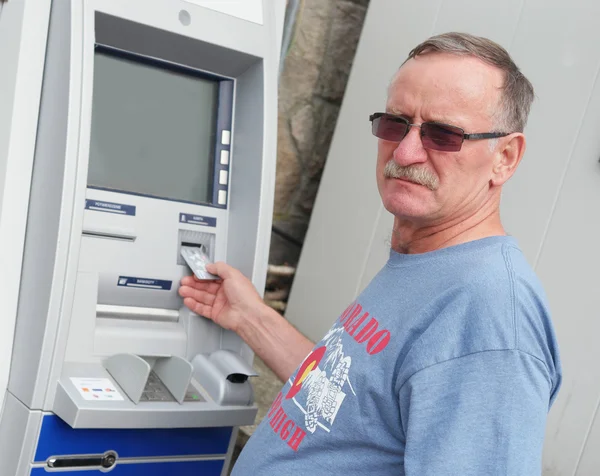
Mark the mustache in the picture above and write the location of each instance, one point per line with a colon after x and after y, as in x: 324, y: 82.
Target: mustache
x: 412, y: 173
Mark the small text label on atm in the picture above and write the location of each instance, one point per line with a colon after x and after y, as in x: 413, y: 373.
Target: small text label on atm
x: 197, y: 219
x: 109, y: 207
x: 96, y: 389
x: 144, y: 283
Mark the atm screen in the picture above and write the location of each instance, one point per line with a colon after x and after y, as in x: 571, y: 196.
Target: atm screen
x: 153, y: 129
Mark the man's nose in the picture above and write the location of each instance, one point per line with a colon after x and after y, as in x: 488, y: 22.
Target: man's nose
x: 410, y: 150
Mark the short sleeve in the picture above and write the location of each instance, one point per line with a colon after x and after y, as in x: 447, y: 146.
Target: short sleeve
x: 481, y: 414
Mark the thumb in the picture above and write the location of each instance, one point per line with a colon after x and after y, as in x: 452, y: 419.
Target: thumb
x: 221, y: 269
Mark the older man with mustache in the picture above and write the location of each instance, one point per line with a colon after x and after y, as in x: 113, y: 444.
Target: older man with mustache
x: 447, y: 363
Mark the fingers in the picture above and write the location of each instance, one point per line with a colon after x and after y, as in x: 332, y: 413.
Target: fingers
x: 198, y: 308
x: 212, y: 280
x: 210, y: 286
x: 194, y: 281
x: 221, y: 269
x: 188, y: 281
x: 199, y: 295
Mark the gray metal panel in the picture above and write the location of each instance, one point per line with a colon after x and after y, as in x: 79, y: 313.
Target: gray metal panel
x: 279, y: 17
x: 10, y: 27
x: 379, y: 250
x: 589, y: 463
x: 246, y: 169
x: 23, y: 35
x: 568, y: 267
x: 176, y: 374
x: 12, y: 433
x: 80, y: 413
x: 18, y: 435
x: 213, y: 372
x: 556, y: 46
x: 130, y: 372
x: 10, y: 30
x: 495, y: 20
x: 44, y: 212
x: 155, y: 43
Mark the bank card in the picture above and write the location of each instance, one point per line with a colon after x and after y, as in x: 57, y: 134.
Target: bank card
x: 197, y: 259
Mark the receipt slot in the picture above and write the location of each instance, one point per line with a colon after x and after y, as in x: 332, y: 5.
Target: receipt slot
x: 156, y: 136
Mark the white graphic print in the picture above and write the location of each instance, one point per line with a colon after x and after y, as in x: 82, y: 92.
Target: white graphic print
x: 322, y: 386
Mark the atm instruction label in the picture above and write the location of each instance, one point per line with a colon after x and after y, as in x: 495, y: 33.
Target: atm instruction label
x: 96, y: 389
x: 144, y: 283
x: 197, y: 219
x: 109, y: 207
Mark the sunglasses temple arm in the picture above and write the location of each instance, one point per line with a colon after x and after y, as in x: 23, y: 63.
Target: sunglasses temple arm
x: 485, y: 135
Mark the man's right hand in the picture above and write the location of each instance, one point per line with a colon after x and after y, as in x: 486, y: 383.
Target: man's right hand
x: 227, y: 302
x: 233, y: 303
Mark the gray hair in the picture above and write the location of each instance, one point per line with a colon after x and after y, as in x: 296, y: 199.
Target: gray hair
x: 517, y: 92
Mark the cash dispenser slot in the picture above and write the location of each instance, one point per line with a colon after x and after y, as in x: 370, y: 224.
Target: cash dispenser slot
x: 136, y: 313
x: 111, y: 234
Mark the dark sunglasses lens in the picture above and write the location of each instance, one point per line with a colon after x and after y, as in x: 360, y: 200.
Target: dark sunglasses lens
x: 441, y: 137
x: 389, y: 128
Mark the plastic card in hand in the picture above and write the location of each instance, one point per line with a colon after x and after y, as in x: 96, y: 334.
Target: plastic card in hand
x: 197, y: 260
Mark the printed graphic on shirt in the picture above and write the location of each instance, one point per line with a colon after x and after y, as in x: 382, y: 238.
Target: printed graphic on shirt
x: 323, y: 381
x: 318, y: 389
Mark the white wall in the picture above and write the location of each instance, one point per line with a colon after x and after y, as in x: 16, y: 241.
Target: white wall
x: 23, y: 31
x: 556, y: 45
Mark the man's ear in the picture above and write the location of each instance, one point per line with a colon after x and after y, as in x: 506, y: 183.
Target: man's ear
x: 507, y: 157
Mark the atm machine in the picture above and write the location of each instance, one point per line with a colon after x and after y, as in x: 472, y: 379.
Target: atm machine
x: 156, y: 134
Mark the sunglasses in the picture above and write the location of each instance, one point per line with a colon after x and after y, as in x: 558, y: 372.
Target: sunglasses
x: 434, y: 135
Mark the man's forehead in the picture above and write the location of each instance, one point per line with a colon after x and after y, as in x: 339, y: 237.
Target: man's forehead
x: 436, y: 113
x: 445, y: 84
x: 449, y: 68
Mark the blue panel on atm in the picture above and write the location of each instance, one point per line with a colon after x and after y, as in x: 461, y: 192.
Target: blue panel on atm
x: 57, y: 438
x: 183, y: 468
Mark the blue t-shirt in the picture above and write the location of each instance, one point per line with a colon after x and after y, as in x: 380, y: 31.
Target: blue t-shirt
x: 446, y: 364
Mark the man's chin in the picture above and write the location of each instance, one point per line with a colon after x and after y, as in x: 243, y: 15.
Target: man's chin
x: 406, y: 205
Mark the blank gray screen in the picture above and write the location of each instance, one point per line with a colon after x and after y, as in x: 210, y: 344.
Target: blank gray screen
x: 153, y: 130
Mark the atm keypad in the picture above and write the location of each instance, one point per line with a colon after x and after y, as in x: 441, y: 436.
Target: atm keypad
x: 156, y: 391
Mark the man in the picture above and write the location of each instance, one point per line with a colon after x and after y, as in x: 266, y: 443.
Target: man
x: 447, y: 363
